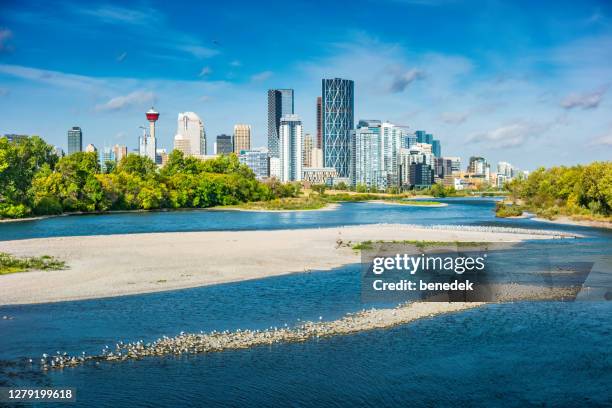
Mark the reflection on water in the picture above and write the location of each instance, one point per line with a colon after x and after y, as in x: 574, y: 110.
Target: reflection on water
x: 502, y: 355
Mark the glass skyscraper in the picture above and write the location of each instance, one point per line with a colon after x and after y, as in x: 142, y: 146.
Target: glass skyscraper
x: 75, y: 140
x: 280, y: 103
x: 337, y: 98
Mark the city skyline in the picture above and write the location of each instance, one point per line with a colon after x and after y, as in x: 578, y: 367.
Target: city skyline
x: 505, y: 88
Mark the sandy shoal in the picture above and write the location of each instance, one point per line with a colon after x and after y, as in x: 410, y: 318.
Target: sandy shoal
x: 115, y: 265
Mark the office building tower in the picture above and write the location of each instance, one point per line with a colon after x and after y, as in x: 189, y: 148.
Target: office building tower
x: 120, y: 152
x: 224, y: 144
x: 477, y: 166
x: 436, y: 148
x: 408, y: 140
x: 375, y: 154
x: 455, y: 163
x: 242, y: 138
x: 90, y: 148
x: 424, y: 137
x: 256, y: 160
x: 337, y: 100
x: 280, y: 103
x: 442, y: 167
x: 421, y: 175
x: 506, y: 169
x: 190, y: 135
x: 275, y: 167
x: 308, y: 146
x: 290, y: 147
x: 317, y: 157
x: 106, y: 155
x: 319, y: 122
x: 75, y: 140
x: 161, y: 157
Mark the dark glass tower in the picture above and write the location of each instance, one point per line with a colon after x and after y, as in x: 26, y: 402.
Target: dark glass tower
x: 337, y: 98
x: 280, y: 103
x: 75, y: 140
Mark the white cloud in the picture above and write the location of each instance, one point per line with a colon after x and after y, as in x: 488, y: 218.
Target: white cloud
x: 262, y: 76
x: 512, y: 135
x: 136, y: 98
x: 235, y: 63
x: 587, y: 100
x: 120, y: 15
x: 603, y: 140
x: 454, y: 118
x: 198, y: 51
x: 51, y: 77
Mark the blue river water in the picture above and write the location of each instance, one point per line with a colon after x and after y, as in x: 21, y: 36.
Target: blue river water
x: 518, y: 354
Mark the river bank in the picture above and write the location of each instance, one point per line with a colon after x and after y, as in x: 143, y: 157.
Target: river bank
x: 115, y: 265
x: 563, y: 220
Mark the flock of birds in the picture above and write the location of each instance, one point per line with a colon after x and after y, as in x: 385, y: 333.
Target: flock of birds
x: 215, y: 341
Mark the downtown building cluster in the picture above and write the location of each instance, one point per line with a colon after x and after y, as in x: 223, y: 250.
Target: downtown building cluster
x: 367, y: 154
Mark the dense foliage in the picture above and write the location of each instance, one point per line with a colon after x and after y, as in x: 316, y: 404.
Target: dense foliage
x: 34, y: 181
x: 579, y: 191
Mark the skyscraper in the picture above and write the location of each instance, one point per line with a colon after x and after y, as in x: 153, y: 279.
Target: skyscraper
x: 436, y: 148
x: 319, y: 122
x: 190, y: 135
x: 224, y: 144
x: 337, y: 122
x: 307, y: 149
x: 376, y: 151
x: 280, y: 103
x: 290, y: 148
x: 242, y: 138
x: 75, y: 140
x: 120, y: 152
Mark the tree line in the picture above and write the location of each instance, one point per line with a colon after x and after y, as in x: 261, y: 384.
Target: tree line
x: 34, y: 181
x: 583, y: 190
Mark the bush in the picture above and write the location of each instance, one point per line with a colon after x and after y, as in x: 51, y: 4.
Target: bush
x: 14, y: 211
x: 48, y: 206
x: 503, y: 210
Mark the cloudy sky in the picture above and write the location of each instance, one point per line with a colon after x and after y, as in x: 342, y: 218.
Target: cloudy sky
x: 521, y: 81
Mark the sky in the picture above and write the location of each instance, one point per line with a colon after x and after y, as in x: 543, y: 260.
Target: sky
x: 519, y: 81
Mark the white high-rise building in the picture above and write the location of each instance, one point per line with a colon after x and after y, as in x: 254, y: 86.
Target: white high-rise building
x: 506, y: 169
x: 190, y: 135
x: 376, y: 152
x: 290, y: 143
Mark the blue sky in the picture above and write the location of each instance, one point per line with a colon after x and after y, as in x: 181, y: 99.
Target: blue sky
x: 521, y: 81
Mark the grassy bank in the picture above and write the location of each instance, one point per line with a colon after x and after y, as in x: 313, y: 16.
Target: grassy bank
x: 12, y: 264
x: 417, y: 243
x: 284, y: 204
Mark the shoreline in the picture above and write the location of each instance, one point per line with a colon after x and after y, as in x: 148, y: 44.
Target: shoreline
x: 327, y: 207
x: 564, y: 220
x: 408, y: 204
x: 101, y: 266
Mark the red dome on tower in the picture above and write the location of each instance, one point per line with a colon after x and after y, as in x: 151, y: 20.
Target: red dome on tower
x: 152, y: 115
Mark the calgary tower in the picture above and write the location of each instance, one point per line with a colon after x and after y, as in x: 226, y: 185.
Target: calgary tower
x: 152, y: 116
x: 148, y: 143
